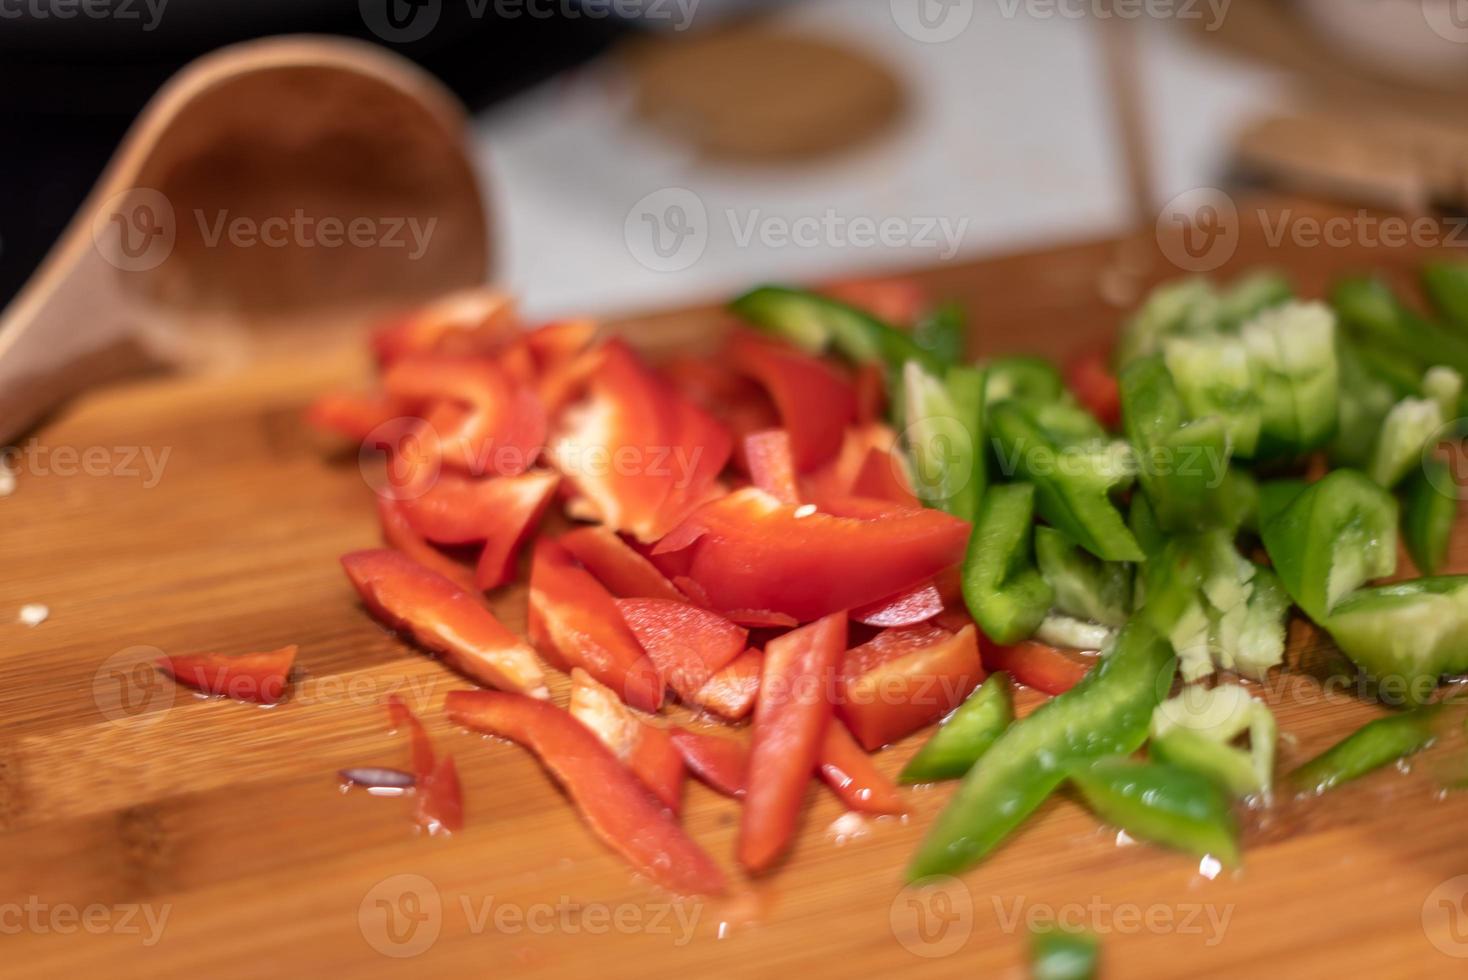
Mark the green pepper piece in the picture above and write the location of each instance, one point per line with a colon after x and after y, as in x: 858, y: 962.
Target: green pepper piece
x: 1275, y: 496
x: 1446, y: 285
x: 1292, y: 353
x: 1369, y: 308
x: 1405, y: 430
x: 1193, y: 730
x: 1365, y: 398
x: 1105, y: 714
x: 1025, y: 378
x: 1085, y: 587
x: 1406, y: 635
x: 1178, y: 307
x: 1251, y: 295
x: 1161, y: 803
x: 814, y: 322
x: 1443, y: 385
x: 944, y: 437
x: 1142, y: 522
x: 965, y: 736
x: 942, y: 333
x: 1063, y: 954
x: 1067, y: 632
x: 1336, y: 534
x: 1428, y: 514
x: 1001, y: 586
x: 1214, y: 377
x: 1181, y: 464
x: 1072, y: 481
x: 1229, y: 768
x: 1377, y: 743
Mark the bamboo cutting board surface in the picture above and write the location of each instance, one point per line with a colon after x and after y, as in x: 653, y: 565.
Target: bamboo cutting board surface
x: 148, y: 832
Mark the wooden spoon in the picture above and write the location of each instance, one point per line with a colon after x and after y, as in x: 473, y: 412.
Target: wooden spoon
x: 265, y: 182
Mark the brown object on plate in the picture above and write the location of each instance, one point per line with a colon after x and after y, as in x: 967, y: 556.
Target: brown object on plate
x: 757, y: 93
x: 283, y: 176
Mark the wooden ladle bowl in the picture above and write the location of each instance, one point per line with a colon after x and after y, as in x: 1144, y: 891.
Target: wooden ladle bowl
x: 267, y: 182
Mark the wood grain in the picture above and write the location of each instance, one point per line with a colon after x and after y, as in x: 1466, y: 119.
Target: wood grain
x: 118, y: 791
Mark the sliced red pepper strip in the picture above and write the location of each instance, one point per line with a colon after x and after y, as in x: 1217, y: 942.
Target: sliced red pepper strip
x: 1036, y: 665
x: 870, y: 383
x: 617, y: 565
x: 790, y: 720
x: 259, y: 678
x: 526, y: 505
x: 1089, y: 377
x: 485, y: 423
x: 752, y: 552
x: 686, y: 644
x: 737, y: 402
x: 643, y: 747
x: 837, y: 477
x: 851, y: 774
x: 816, y: 403
x: 439, y: 805
x: 761, y: 618
x: 445, y: 619
x: 907, y: 678
x: 457, y: 509
x: 897, y: 301
x: 470, y: 321
x: 398, y: 533
x: 399, y: 715
x: 350, y: 415
x: 880, y: 478
x: 771, y: 465
x: 574, y: 621
x: 618, y: 807
x: 721, y: 761
x: 731, y: 692
x: 915, y: 605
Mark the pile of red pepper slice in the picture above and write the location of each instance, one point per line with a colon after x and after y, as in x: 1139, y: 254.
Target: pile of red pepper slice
x: 729, y: 532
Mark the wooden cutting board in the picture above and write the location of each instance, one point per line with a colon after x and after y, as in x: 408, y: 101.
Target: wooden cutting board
x: 147, y: 832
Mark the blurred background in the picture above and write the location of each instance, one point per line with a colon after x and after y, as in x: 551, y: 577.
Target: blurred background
x: 777, y: 139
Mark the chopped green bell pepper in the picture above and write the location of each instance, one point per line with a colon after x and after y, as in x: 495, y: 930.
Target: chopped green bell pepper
x: 1405, y: 430
x: 1193, y: 730
x: 1063, y: 954
x: 814, y: 322
x: 1107, y: 713
x: 1085, y: 587
x: 1214, y: 377
x: 1369, y: 308
x: 1443, y: 385
x: 1428, y: 514
x: 1025, y: 378
x: 1446, y: 285
x: 1334, y: 535
x: 1250, y: 295
x: 1073, y: 481
x: 1407, y: 635
x: 1292, y: 353
x: 1183, y: 306
x: 1067, y: 632
x: 966, y: 735
x: 944, y: 435
x: 1003, y: 590
x: 1377, y: 743
x: 942, y: 333
x: 1161, y: 803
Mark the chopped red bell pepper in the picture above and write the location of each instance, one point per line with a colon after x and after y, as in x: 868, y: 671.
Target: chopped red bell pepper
x: 752, y: 552
x: 445, y: 619
x: 851, y: 774
x: 399, y: 715
x: 686, y: 644
x: 625, y: 571
x: 350, y: 415
x: 739, y: 403
x: 837, y: 478
x: 457, y: 509
x: 791, y: 715
x: 440, y: 799
x: 906, y: 678
x: 880, y: 479
x: 815, y: 401
x: 1037, y: 665
x: 485, y: 423
x: 870, y: 383
x: 645, y: 748
x: 771, y: 466
x: 259, y: 678
x: 732, y: 691
x: 894, y: 300
x: 915, y: 605
x: 721, y: 761
x: 399, y: 534
x: 618, y: 807
x: 575, y: 622
x: 1089, y: 377
x: 526, y: 503
x: 471, y: 321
